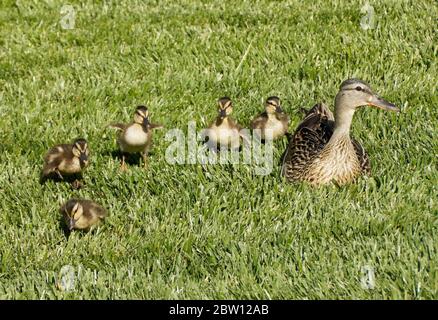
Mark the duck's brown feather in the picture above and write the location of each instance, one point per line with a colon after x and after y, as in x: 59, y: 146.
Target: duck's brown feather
x: 311, y: 136
x: 259, y: 121
x: 54, y: 157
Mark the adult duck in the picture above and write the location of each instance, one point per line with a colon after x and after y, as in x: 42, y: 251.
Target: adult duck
x: 321, y: 149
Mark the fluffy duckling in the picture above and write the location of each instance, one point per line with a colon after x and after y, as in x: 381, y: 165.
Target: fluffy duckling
x: 66, y: 160
x: 80, y: 214
x: 136, y: 137
x: 272, y: 121
x: 224, y: 132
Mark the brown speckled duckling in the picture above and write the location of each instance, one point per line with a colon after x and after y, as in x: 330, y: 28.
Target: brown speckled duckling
x: 136, y: 137
x: 224, y: 132
x: 80, y: 214
x: 66, y: 160
x: 273, y: 120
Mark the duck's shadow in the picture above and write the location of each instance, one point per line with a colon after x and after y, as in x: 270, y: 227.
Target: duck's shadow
x: 130, y: 158
x: 75, y: 180
x: 63, y: 226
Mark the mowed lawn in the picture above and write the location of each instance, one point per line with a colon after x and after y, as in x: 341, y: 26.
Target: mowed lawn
x: 220, y: 231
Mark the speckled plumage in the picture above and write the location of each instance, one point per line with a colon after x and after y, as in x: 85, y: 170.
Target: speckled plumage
x: 310, y: 158
x: 277, y: 123
x: 224, y: 132
x: 321, y: 149
x: 65, y: 160
x: 136, y: 137
x: 81, y: 214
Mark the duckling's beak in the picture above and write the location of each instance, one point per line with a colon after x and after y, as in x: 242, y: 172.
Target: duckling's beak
x: 279, y: 109
x: 145, y: 121
x: 380, y: 103
x: 71, y: 224
x: 83, y: 158
x: 223, y: 113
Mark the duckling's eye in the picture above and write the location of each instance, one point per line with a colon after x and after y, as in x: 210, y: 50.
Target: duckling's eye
x: 359, y: 88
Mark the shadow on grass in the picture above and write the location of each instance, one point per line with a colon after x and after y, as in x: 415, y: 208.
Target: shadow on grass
x: 75, y: 180
x: 130, y: 158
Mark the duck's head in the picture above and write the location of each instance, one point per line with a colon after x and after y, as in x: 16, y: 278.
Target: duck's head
x: 273, y: 105
x: 141, y: 115
x: 80, y: 151
x: 355, y: 93
x: 73, y: 211
x: 225, y: 107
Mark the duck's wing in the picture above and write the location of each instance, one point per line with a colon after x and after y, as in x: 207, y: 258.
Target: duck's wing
x: 364, y: 160
x: 233, y: 124
x: 242, y: 133
x: 309, y: 139
x: 284, y: 117
x: 156, y: 126
x: 93, y: 209
x: 259, y: 121
x: 119, y: 126
x: 58, y: 151
x: 53, y: 158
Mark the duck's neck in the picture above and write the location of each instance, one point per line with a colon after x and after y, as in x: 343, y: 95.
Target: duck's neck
x: 343, y: 119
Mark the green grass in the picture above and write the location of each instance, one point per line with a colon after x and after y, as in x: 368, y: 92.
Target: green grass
x: 181, y: 231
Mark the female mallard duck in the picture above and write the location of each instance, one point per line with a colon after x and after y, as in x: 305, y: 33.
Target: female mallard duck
x: 224, y: 132
x: 82, y: 214
x: 273, y: 122
x: 321, y: 149
x: 66, y: 160
x: 136, y: 137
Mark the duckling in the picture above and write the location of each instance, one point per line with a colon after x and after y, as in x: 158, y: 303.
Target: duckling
x: 136, y: 137
x: 272, y: 121
x: 66, y: 160
x: 224, y: 132
x: 81, y: 214
x: 321, y: 149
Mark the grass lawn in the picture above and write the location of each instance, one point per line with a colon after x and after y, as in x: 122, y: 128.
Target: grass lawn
x: 220, y: 232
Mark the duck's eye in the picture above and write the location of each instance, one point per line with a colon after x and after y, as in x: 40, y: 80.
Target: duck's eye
x: 359, y: 88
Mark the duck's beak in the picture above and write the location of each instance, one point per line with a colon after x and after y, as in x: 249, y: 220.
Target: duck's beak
x: 71, y: 224
x: 145, y: 121
x: 223, y: 113
x: 380, y: 103
x: 279, y: 109
x: 83, y: 159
